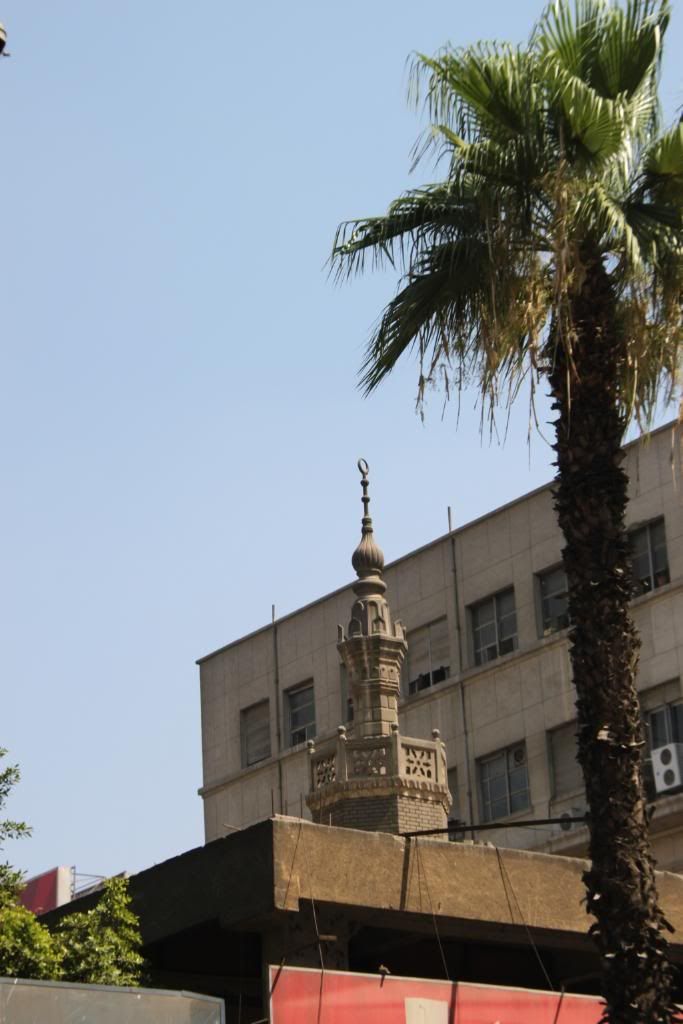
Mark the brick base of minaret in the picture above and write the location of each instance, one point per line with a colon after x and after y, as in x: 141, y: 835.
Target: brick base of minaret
x: 395, y: 814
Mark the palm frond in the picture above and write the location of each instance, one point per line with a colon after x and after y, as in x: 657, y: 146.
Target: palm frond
x: 600, y: 215
x: 485, y: 88
x: 665, y: 155
x: 594, y: 125
x: 569, y: 33
x: 412, y: 220
x: 602, y: 62
x: 613, y: 49
x: 521, y: 159
x: 629, y: 44
x: 470, y: 310
x: 651, y: 322
x: 551, y: 152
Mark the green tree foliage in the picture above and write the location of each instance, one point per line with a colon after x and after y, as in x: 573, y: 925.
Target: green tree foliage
x: 102, y: 945
x: 27, y: 948
x: 553, y: 251
x: 10, y: 880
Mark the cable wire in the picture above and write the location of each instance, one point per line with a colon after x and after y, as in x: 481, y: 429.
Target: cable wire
x: 421, y: 872
x: 285, y: 951
x: 507, y: 884
x: 317, y: 930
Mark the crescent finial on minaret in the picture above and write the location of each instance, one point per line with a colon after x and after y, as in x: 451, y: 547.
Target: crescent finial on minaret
x: 367, y: 559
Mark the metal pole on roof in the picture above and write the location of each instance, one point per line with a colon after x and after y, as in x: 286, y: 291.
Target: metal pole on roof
x: 278, y: 725
x: 461, y: 688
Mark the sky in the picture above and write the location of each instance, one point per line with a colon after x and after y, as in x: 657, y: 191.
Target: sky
x: 178, y: 375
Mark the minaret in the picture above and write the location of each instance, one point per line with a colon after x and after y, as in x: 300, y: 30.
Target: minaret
x: 376, y: 646
x: 376, y: 779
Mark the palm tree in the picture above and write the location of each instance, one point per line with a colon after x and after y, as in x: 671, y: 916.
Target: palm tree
x: 553, y: 249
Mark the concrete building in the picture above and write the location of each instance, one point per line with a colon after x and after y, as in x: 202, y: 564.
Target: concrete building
x: 487, y: 665
x: 289, y: 892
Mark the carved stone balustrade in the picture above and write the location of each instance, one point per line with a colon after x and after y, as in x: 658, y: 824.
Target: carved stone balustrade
x: 404, y: 779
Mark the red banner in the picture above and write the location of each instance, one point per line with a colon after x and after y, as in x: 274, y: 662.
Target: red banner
x: 305, y: 996
x: 47, y: 891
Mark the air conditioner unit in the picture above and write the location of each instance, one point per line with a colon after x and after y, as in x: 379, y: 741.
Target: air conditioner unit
x: 667, y: 767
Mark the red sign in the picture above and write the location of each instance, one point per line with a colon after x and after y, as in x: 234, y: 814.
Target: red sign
x: 304, y: 996
x: 47, y: 891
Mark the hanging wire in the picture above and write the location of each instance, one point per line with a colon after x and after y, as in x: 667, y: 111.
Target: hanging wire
x: 507, y: 884
x: 312, y: 899
x: 559, y: 1005
x: 315, y: 925
x: 490, y: 826
x: 285, y: 952
x: 291, y: 866
x: 421, y: 872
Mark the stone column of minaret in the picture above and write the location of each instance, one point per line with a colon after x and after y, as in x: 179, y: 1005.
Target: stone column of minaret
x: 373, y: 778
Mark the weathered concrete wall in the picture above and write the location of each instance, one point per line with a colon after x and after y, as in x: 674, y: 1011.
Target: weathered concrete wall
x: 450, y: 880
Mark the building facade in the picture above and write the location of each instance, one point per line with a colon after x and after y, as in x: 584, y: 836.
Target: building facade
x: 487, y: 665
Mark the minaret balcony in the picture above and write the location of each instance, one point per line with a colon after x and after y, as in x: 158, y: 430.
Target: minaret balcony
x: 372, y: 764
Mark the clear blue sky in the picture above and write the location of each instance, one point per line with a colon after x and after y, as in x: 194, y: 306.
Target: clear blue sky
x: 178, y: 408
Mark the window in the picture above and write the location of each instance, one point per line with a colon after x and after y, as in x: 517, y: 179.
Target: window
x: 300, y: 706
x: 566, y: 774
x: 664, y: 724
x: 504, y: 783
x: 346, y: 697
x: 648, y: 557
x: 428, y: 656
x: 662, y: 710
x: 552, y: 586
x: 494, y: 627
x: 255, y: 733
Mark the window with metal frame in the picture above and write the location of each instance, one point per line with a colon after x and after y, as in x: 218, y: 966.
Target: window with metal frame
x: 566, y: 774
x: 428, y: 661
x: 494, y: 627
x: 649, y: 559
x: 554, y: 600
x: 255, y: 733
x: 504, y: 783
x: 662, y: 716
x: 300, y: 711
x: 664, y: 724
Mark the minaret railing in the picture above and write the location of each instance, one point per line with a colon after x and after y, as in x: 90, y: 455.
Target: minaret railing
x: 346, y: 759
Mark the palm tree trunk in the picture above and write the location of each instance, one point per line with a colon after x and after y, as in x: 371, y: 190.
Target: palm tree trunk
x: 590, y: 499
